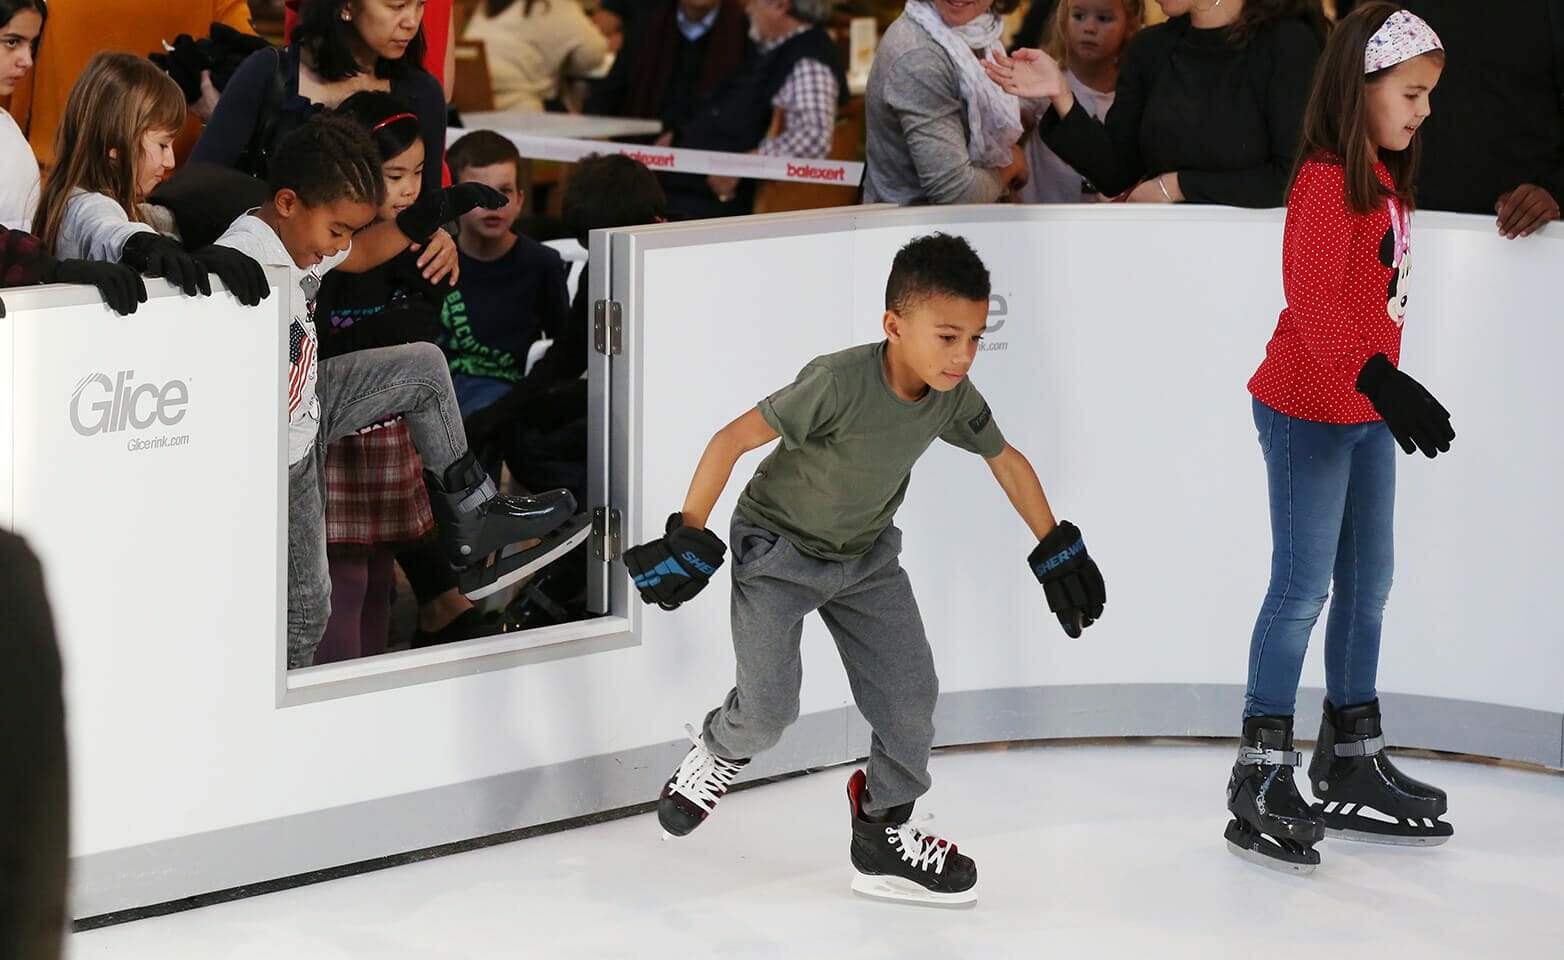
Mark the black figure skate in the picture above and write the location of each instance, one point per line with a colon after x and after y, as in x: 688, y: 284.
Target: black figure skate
x: 477, y: 525
x: 691, y: 794
x: 1272, y: 825
x: 894, y: 860
x: 1362, y: 796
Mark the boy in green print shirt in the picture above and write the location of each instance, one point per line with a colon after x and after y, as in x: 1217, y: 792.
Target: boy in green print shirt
x: 813, y: 532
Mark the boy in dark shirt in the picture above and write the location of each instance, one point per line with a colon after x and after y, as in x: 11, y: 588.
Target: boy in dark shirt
x: 813, y: 531
x: 511, y: 290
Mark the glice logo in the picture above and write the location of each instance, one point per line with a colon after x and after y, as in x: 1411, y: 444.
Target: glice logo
x: 103, y: 405
x: 998, y: 310
x: 998, y: 313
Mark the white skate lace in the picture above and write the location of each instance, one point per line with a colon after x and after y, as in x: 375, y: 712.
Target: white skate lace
x: 924, y: 851
x: 703, y: 777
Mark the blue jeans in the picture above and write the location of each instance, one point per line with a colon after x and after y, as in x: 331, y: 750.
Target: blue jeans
x: 475, y: 393
x: 1333, y: 495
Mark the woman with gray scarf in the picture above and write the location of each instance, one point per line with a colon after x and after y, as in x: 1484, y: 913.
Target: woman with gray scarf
x: 938, y: 131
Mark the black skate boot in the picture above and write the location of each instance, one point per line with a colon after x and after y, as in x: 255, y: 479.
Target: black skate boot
x: 1362, y: 795
x: 477, y: 524
x: 1272, y: 825
x: 691, y: 794
x: 896, y: 861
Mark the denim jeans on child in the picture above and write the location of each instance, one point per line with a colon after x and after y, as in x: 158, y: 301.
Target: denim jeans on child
x: 1333, y: 494
x: 356, y: 390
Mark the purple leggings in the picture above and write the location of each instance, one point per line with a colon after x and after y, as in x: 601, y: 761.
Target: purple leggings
x: 360, y: 624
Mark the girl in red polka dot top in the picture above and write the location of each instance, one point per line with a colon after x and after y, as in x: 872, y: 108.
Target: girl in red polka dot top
x: 1330, y: 406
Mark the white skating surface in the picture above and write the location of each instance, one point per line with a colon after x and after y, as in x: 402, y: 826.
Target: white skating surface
x: 1083, y: 852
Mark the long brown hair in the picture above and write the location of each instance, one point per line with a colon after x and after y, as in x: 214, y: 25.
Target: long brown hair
x: 1258, y: 13
x: 1336, y: 123
x: 116, y: 100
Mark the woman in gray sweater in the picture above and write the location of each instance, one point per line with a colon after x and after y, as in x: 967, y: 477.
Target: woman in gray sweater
x: 936, y: 134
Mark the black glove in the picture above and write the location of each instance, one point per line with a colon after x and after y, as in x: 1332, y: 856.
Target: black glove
x: 675, y: 567
x: 1070, y: 578
x: 185, y: 63
x: 155, y: 255
x: 229, y: 49
x: 419, y: 221
x: 120, y: 286
x: 243, y: 277
x: 1415, y: 418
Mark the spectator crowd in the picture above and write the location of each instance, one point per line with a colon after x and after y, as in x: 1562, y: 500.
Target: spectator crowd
x: 162, y: 139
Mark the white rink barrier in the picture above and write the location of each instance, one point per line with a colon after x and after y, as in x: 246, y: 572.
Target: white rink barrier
x: 1119, y: 344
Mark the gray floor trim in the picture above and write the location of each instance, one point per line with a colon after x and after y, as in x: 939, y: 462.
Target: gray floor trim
x: 154, y: 873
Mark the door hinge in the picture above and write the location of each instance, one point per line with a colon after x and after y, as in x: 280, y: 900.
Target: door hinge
x: 605, y: 534
x: 608, y: 327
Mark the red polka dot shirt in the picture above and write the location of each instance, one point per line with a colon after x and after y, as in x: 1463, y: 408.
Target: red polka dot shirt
x: 1345, y: 279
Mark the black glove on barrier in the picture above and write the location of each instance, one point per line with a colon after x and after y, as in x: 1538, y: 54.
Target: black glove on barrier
x: 676, y: 566
x: 419, y: 221
x: 243, y: 277
x: 120, y: 286
x: 155, y: 255
x: 1070, y: 578
x: 1415, y: 418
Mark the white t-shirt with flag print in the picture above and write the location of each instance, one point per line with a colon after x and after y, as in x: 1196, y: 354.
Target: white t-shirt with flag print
x: 251, y: 236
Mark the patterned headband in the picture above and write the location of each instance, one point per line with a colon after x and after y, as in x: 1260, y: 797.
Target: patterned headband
x: 1403, y: 36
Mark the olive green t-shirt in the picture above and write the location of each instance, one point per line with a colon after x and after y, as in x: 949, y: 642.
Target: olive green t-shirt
x: 848, y: 444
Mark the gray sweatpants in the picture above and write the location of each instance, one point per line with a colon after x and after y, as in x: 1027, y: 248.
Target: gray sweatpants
x: 868, y: 606
x: 356, y: 390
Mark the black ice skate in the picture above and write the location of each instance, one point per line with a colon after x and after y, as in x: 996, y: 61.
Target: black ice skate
x: 691, y: 794
x: 1272, y: 825
x: 477, y: 525
x: 897, y: 861
x: 1362, y: 795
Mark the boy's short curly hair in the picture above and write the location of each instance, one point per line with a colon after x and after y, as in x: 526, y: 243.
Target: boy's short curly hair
x: 612, y: 190
x: 328, y: 158
x: 934, y: 265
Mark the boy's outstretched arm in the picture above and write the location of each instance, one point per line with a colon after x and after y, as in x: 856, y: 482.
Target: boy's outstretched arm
x: 678, y: 565
x: 1019, y: 481
x: 1070, y: 578
x: 711, y: 475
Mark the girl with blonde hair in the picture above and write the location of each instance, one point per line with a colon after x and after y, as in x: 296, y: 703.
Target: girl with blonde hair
x: 114, y: 144
x: 1088, y: 40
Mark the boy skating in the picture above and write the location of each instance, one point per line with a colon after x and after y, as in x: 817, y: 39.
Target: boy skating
x: 813, y: 532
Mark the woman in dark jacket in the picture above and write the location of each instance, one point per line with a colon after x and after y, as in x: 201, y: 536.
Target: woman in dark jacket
x: 339, y: 48
x: 1209, y: 105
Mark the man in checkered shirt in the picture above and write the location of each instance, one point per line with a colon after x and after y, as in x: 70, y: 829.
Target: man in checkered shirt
x: 781, y: 104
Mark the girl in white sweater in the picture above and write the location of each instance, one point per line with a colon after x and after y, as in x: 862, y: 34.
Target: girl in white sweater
x: 21, y: 24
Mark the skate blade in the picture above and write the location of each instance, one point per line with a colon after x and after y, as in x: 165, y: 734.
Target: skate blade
x: 897, y: 890
x: 1271, y: 863
x: 475, y: 584
x: 1389, y: 840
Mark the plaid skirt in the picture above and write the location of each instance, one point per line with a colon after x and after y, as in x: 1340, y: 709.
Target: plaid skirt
x: 375, y: 488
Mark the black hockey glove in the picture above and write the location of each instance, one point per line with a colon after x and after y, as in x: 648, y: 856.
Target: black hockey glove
x: 1070, y: 578
x: 120, y: 286
x: 184, y: 64
x: 676, y: 566
x: 1415, y: 418
x: 155, y: 255
x: 229, y: 49
x: 419, y: 221
x: 243, y: 277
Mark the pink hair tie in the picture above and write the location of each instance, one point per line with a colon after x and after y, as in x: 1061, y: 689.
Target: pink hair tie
x: 1403, y: 36
x: 392, y: 119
